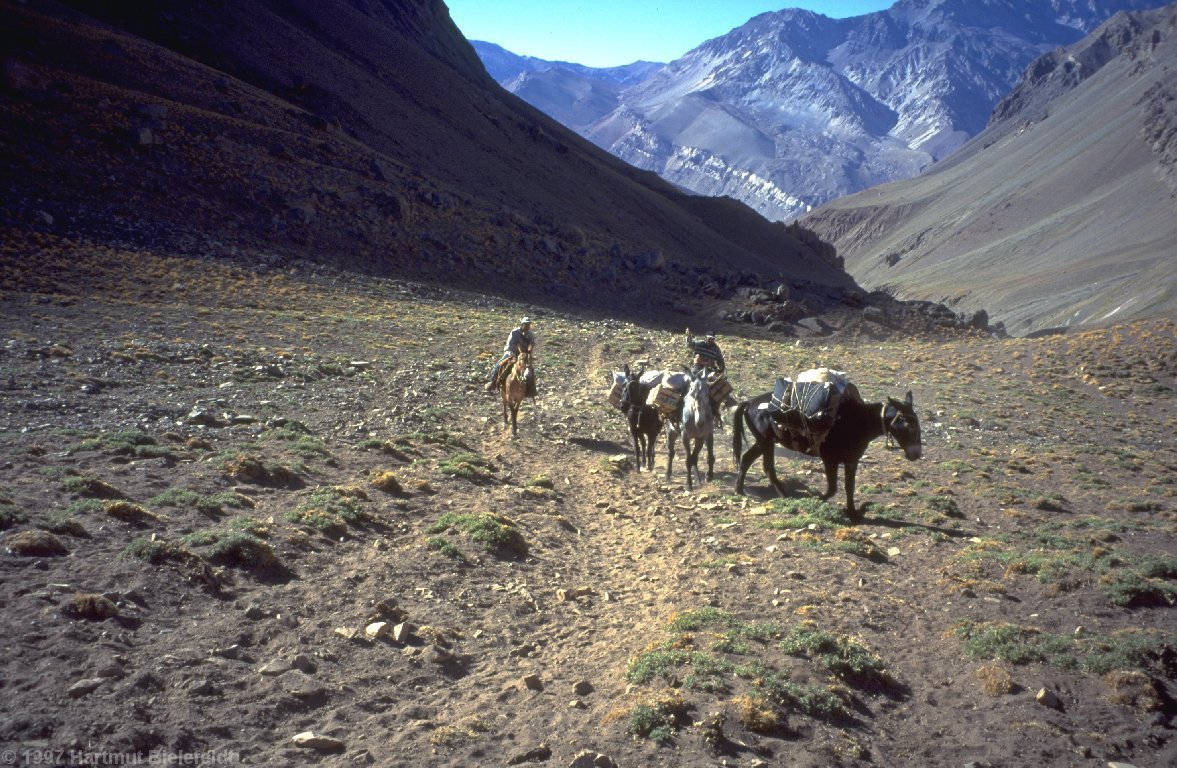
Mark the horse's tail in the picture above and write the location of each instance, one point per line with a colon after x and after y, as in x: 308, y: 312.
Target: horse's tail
x: 738, y: 430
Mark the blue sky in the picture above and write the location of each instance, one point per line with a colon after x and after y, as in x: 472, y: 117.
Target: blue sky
x: 608, y: 33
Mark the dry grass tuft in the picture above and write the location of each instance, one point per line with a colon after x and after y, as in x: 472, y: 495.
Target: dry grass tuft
x: 129, y: 512
x: 386, y: 481
x: 757, y: 714
x: 93, y: 607
x: 35, y: 543
x: 1134, y: 689
x: 995, y: 680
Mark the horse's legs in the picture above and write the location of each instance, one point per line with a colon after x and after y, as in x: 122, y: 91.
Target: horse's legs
x: 831, y: 466
x: 851, y: 471
x: 746, y: 462
x: 769, y: 449
x: 671, y: 439
x: 691, y: 458
x: 710, y: 458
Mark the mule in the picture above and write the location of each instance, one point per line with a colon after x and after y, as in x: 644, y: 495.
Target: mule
x: 513, y: 388
x: 693, y: 423
x: 855, y: 426
x: 645, y: 423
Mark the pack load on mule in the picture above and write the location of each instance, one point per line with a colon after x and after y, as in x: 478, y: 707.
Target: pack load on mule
x: 854, y: 424
x: 665, y: 390
x: 617, y: 391
x: 660, y: 389
x: 721, y: 390
x: 805, y: 409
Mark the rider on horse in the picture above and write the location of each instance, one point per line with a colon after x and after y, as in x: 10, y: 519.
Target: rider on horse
x: 519, y: 340
x: 706, y: 353
x: 707, y: 358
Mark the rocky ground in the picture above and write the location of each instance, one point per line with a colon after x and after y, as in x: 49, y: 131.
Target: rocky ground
x: 270, y: 517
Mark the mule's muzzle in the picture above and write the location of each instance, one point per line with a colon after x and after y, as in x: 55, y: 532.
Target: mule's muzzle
x: 913, y: 452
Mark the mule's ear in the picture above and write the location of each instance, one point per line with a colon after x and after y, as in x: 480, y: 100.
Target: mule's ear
x: 909, y: 400
x: 626, y: 369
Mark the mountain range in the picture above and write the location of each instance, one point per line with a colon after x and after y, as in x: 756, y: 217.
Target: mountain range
x: 794, y: 109
x: 1060, y: 213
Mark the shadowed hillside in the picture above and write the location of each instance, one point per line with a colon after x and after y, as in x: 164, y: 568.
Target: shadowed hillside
x: 1060, y: 213
x: 363, y: 134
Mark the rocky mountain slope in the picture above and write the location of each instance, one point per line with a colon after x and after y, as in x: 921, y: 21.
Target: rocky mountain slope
x: 794, y: 109
x: 361, y: 134
x: 1060, y: 213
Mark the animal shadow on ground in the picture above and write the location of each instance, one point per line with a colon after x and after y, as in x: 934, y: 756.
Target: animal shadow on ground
x: 795, y: 488
x: 599, y: 446
x: 891, y: 522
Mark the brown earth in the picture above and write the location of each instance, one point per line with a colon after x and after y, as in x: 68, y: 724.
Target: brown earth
x: 196, y: 492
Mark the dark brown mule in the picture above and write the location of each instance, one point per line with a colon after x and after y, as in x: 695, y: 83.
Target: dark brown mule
x: 513, y: 388
x: 855, y: 426
x: 644, y: 420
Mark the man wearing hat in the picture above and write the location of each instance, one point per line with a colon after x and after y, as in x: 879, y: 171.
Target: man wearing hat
x: 518, y: 340
x: 706, y: 352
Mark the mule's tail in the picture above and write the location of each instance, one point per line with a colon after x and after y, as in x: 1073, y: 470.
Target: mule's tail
x: 738, y: 430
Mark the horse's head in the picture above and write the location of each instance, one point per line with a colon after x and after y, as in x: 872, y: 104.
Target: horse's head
x: 697, y: 403
x: 901, y: 423
x: 523, y: 361
x: 631, y: 393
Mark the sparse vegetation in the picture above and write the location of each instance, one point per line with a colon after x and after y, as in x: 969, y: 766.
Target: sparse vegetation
x: 779, y: 624
x: 241, y: 543
x: 330, y: 510
x: 466, y: 465
x: 496, y: 534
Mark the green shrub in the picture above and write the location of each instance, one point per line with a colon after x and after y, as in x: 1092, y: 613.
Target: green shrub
x: 154, y: 551
x: 792, y: 514
x: 329, y: 510
x: 649, y: 722
x: 88, y: 485
x: 128, y: 443
x: 62, y: 521
x: 209, y: 504
x: 445, y: 547
x: 10, y: 515
x: 466, y: 464
x: 842, y: 656
x: 496, y: 534
x: 239, y: 543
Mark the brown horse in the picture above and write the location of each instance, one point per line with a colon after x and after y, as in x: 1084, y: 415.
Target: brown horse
x: 513, y: 387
